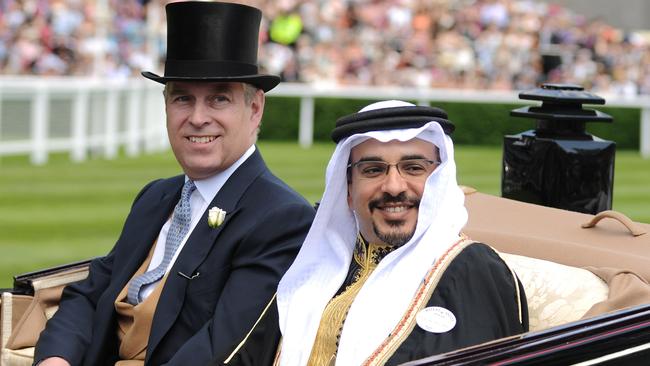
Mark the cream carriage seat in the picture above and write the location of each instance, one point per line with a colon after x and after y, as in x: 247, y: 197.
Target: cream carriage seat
x: 24, y: 316
x: 572, y: 265
x: 556, y: 294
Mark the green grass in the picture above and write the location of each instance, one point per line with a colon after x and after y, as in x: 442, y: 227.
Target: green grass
x: 64, y: 211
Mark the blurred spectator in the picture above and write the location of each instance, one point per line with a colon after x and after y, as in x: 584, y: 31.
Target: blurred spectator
x: 477, y: 44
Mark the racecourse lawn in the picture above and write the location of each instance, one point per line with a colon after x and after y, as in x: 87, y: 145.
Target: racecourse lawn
x: 63, y: 211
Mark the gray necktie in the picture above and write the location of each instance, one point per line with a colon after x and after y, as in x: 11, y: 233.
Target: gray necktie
x: 177, y: 230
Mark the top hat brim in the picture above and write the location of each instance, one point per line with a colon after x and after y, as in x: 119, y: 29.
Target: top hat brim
x: 264, y: 82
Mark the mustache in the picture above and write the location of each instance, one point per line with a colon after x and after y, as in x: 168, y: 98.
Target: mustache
x: 387, y: 199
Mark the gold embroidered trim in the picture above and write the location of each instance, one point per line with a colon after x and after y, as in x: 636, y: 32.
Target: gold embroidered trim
x: 325, y: 347
x: 241, y: 344
x: 407, y: 323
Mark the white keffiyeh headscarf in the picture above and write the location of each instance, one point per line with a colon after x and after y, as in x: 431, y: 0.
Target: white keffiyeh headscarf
x: 324, y: 259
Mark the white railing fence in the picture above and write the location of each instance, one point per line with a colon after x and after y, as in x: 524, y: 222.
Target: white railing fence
x: 85, y: 116
x: 81, y: 116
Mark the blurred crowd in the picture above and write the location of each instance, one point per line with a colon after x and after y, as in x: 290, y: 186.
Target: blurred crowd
x: 473, y: 44
x: 107, y: 38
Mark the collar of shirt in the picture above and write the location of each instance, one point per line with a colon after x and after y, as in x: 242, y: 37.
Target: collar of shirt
x: 207, y: 189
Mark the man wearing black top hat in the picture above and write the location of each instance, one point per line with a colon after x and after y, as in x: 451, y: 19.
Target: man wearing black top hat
x: 385, y: 275
x: 200, y: 254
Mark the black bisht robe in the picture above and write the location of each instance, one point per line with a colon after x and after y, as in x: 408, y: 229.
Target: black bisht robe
x: 477, y: 287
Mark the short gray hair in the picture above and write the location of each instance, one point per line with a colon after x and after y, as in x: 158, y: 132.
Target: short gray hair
x: 249, y: 92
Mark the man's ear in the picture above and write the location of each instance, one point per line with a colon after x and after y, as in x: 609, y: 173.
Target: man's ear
x: 257, y: 107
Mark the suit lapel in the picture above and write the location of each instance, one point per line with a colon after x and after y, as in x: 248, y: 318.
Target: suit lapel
x: 198, y: 246
x: 147, y: 227
x: 151, y: 211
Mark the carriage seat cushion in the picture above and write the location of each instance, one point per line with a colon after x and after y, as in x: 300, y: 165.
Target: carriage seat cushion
x: 556, y: 293
x: 18, y: 357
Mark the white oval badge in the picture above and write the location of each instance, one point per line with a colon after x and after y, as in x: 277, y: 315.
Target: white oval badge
x: 436, y: 319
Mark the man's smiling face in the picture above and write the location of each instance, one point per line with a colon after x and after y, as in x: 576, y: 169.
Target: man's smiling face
x: 211, y: 124
x: 386, y: 204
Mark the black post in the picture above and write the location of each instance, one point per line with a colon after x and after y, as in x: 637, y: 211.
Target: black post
x: 558, y: 164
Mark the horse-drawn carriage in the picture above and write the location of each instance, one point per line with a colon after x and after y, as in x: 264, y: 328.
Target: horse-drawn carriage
x: 585, y: 276
x: 586, y: 280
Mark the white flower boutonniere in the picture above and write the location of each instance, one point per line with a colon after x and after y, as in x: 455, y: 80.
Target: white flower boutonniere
x: 216, y: 217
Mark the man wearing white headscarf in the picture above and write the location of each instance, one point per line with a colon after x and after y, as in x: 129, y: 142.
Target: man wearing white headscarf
x: 385, y: 274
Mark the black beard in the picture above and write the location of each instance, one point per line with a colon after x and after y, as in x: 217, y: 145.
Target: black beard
x: 396, y: 239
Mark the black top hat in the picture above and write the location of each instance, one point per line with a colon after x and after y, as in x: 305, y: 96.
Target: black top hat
x: 391, y: 118
x: 210, y: 41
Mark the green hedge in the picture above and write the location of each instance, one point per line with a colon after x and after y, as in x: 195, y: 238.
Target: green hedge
x: 476, y: 124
